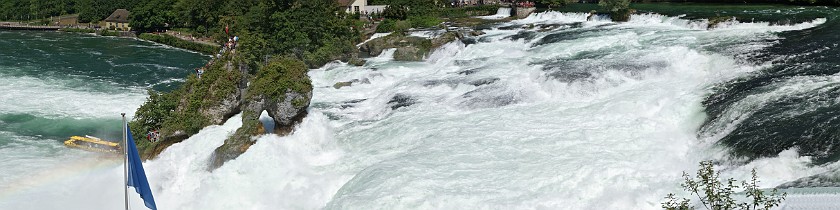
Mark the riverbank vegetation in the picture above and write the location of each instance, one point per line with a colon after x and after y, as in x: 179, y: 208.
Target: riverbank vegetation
x: 78, y: 30
x: 109, y: 33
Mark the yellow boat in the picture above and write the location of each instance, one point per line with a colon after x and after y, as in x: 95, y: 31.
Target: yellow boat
x: 93, y: 144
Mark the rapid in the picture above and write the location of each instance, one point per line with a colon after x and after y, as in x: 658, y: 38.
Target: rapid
x: 547, y: 112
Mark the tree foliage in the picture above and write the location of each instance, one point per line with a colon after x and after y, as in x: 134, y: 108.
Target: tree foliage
x: 717, y: 195
x: 278, y: 76
x: 153, y: 15
x: 97, y: 10
x: 553, y: 3
x: 614, y: 5
x: 397, y: 12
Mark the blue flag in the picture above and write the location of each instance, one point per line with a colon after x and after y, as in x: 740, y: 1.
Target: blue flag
x: 136, y: 175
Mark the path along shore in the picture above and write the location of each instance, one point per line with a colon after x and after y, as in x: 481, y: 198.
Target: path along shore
x: 19, y: 26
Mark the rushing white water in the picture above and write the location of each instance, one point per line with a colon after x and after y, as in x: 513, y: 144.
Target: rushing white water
x: 501, y: 13
x: 67, y: 98
x: 590, y: 116
x: 374, y: 36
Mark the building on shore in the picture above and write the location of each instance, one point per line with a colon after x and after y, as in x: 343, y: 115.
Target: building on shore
x: 360, y: 7
x: 352, y: 6
x: 118, y: 20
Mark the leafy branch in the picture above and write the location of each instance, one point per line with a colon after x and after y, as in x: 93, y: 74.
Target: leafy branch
x: 714, y: 195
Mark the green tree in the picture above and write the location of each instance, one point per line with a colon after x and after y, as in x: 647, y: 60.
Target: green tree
x: 397, y: 12
x: 715, y: 195
x: 614, y: 5
x: 97, y: 10
x: 14, y: 9
x: 153, y: 15
x: 619, y: 9
x: 554, y: 3
x: 195, y: 13
x: 151, y: 115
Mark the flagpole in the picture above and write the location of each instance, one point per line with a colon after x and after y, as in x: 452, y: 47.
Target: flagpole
x: 125, y: 161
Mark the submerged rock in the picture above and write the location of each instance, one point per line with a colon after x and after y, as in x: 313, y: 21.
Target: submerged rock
x: 485, y: 81
x: 715, y: 21
x: 490, y: 96
x: 351, y: 103
x: 401, y: 100
x: 340, y: 85
x: 468, y: 71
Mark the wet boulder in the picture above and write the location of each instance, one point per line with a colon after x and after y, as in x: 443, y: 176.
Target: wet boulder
x: 401, y: 100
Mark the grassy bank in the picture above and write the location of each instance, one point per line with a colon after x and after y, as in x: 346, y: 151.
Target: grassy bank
x: 180, y: 43
x: 109, y: 33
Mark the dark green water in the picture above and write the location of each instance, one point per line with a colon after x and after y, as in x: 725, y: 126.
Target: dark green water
x: 60, y: 84
x: 795, y: 103
x: 96, y: 61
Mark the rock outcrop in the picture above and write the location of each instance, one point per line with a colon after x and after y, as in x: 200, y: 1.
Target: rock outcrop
x: 282, y: 88
x: 200, y: 102
x: 229, y: 103
x: 409, y: 48
x: 410, y: 53
x: 284, y: 91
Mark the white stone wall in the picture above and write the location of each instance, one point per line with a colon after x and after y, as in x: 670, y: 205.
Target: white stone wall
x: 358, y: 5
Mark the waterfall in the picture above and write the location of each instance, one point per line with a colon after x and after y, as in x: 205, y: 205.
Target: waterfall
x: 502, y: 12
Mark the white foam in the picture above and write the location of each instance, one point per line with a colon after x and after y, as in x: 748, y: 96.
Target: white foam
x: 428, y: 34
x: 52, y: 98
x: 501, y: 13
x: 652, y: 19
x: 374, y: 36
